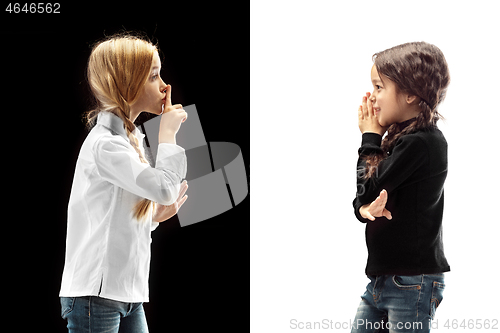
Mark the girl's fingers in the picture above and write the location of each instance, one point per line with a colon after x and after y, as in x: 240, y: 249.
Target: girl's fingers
x: 377, y: 207
x: 370, y: 108
x: 181, y: 202
x: 367, y: 106
x: 184, y: 187
x: 364, y: 107
x: 370, y: 216
x: 384, y: 196
x: 169, y: 108
x: 168, y: 100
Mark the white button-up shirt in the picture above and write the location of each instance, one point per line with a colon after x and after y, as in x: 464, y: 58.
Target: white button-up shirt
x: 107, y: 250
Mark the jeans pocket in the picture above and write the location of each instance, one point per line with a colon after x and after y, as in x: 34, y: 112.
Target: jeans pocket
x: 407, y: 282
x: 437, y: 296
x: 67, y: 304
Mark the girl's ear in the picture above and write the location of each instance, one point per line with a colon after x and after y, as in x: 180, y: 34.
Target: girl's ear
x: 412, y: 99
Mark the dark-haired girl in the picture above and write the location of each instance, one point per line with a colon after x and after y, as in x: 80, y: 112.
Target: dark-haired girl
x: 400, y: 193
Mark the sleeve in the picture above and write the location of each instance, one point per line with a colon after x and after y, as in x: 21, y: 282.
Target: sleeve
x: 409, y: 154
x: 118, y: 162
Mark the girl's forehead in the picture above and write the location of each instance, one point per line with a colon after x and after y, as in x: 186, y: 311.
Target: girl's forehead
x: 156, y: 60
x: 374, y: 74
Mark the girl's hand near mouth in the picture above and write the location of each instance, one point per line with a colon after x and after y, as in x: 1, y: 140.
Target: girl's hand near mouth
x: 367, y: 119
x: 171, y: 119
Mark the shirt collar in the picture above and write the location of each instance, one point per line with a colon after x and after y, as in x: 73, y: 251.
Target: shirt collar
x: 405, y: 123
x: 115, y: 124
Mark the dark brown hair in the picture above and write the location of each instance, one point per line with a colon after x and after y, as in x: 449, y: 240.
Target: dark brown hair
x: 419, y: 69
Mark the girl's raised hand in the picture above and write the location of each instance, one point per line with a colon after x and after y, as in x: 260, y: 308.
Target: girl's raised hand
x: 376, y: 208
x: 367, y: 120
x: 171, y: 119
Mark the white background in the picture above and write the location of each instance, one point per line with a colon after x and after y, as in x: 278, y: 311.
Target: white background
x: 310, y: 66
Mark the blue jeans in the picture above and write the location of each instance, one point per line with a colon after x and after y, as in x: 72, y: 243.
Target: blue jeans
x: 395, y: 303
x: 96, y: 314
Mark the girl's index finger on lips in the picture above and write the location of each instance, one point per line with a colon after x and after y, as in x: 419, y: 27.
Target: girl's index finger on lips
x: 168, y: 100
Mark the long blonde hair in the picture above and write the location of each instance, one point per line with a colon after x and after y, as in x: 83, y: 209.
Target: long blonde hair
x: 118, y: 68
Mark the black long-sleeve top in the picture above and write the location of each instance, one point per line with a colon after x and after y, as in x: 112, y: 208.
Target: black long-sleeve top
x: 413, y: 174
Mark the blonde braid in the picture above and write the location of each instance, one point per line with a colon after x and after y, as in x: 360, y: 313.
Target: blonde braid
x: 142, y: 208
x: 118, y: 68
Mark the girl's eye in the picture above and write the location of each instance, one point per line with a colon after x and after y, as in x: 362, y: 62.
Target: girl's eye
x: 154, y: 77
x: 378, y: 87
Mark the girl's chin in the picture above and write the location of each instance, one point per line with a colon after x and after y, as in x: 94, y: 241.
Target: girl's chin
x: 383, y: 123
x: 156, y: 112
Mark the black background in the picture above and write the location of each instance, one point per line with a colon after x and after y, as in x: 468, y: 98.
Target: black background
x: 199, y: 276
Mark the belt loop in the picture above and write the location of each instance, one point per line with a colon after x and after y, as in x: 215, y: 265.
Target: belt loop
x: 129, y: 308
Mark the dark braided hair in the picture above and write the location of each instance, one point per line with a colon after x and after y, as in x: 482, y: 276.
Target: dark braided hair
x: 418, y: 69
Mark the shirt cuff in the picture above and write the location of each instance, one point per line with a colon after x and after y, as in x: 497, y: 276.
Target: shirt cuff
x: 357, y: 205
x: 370, y: 138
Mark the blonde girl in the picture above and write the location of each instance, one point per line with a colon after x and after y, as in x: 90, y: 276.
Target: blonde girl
x: 117, y: 198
